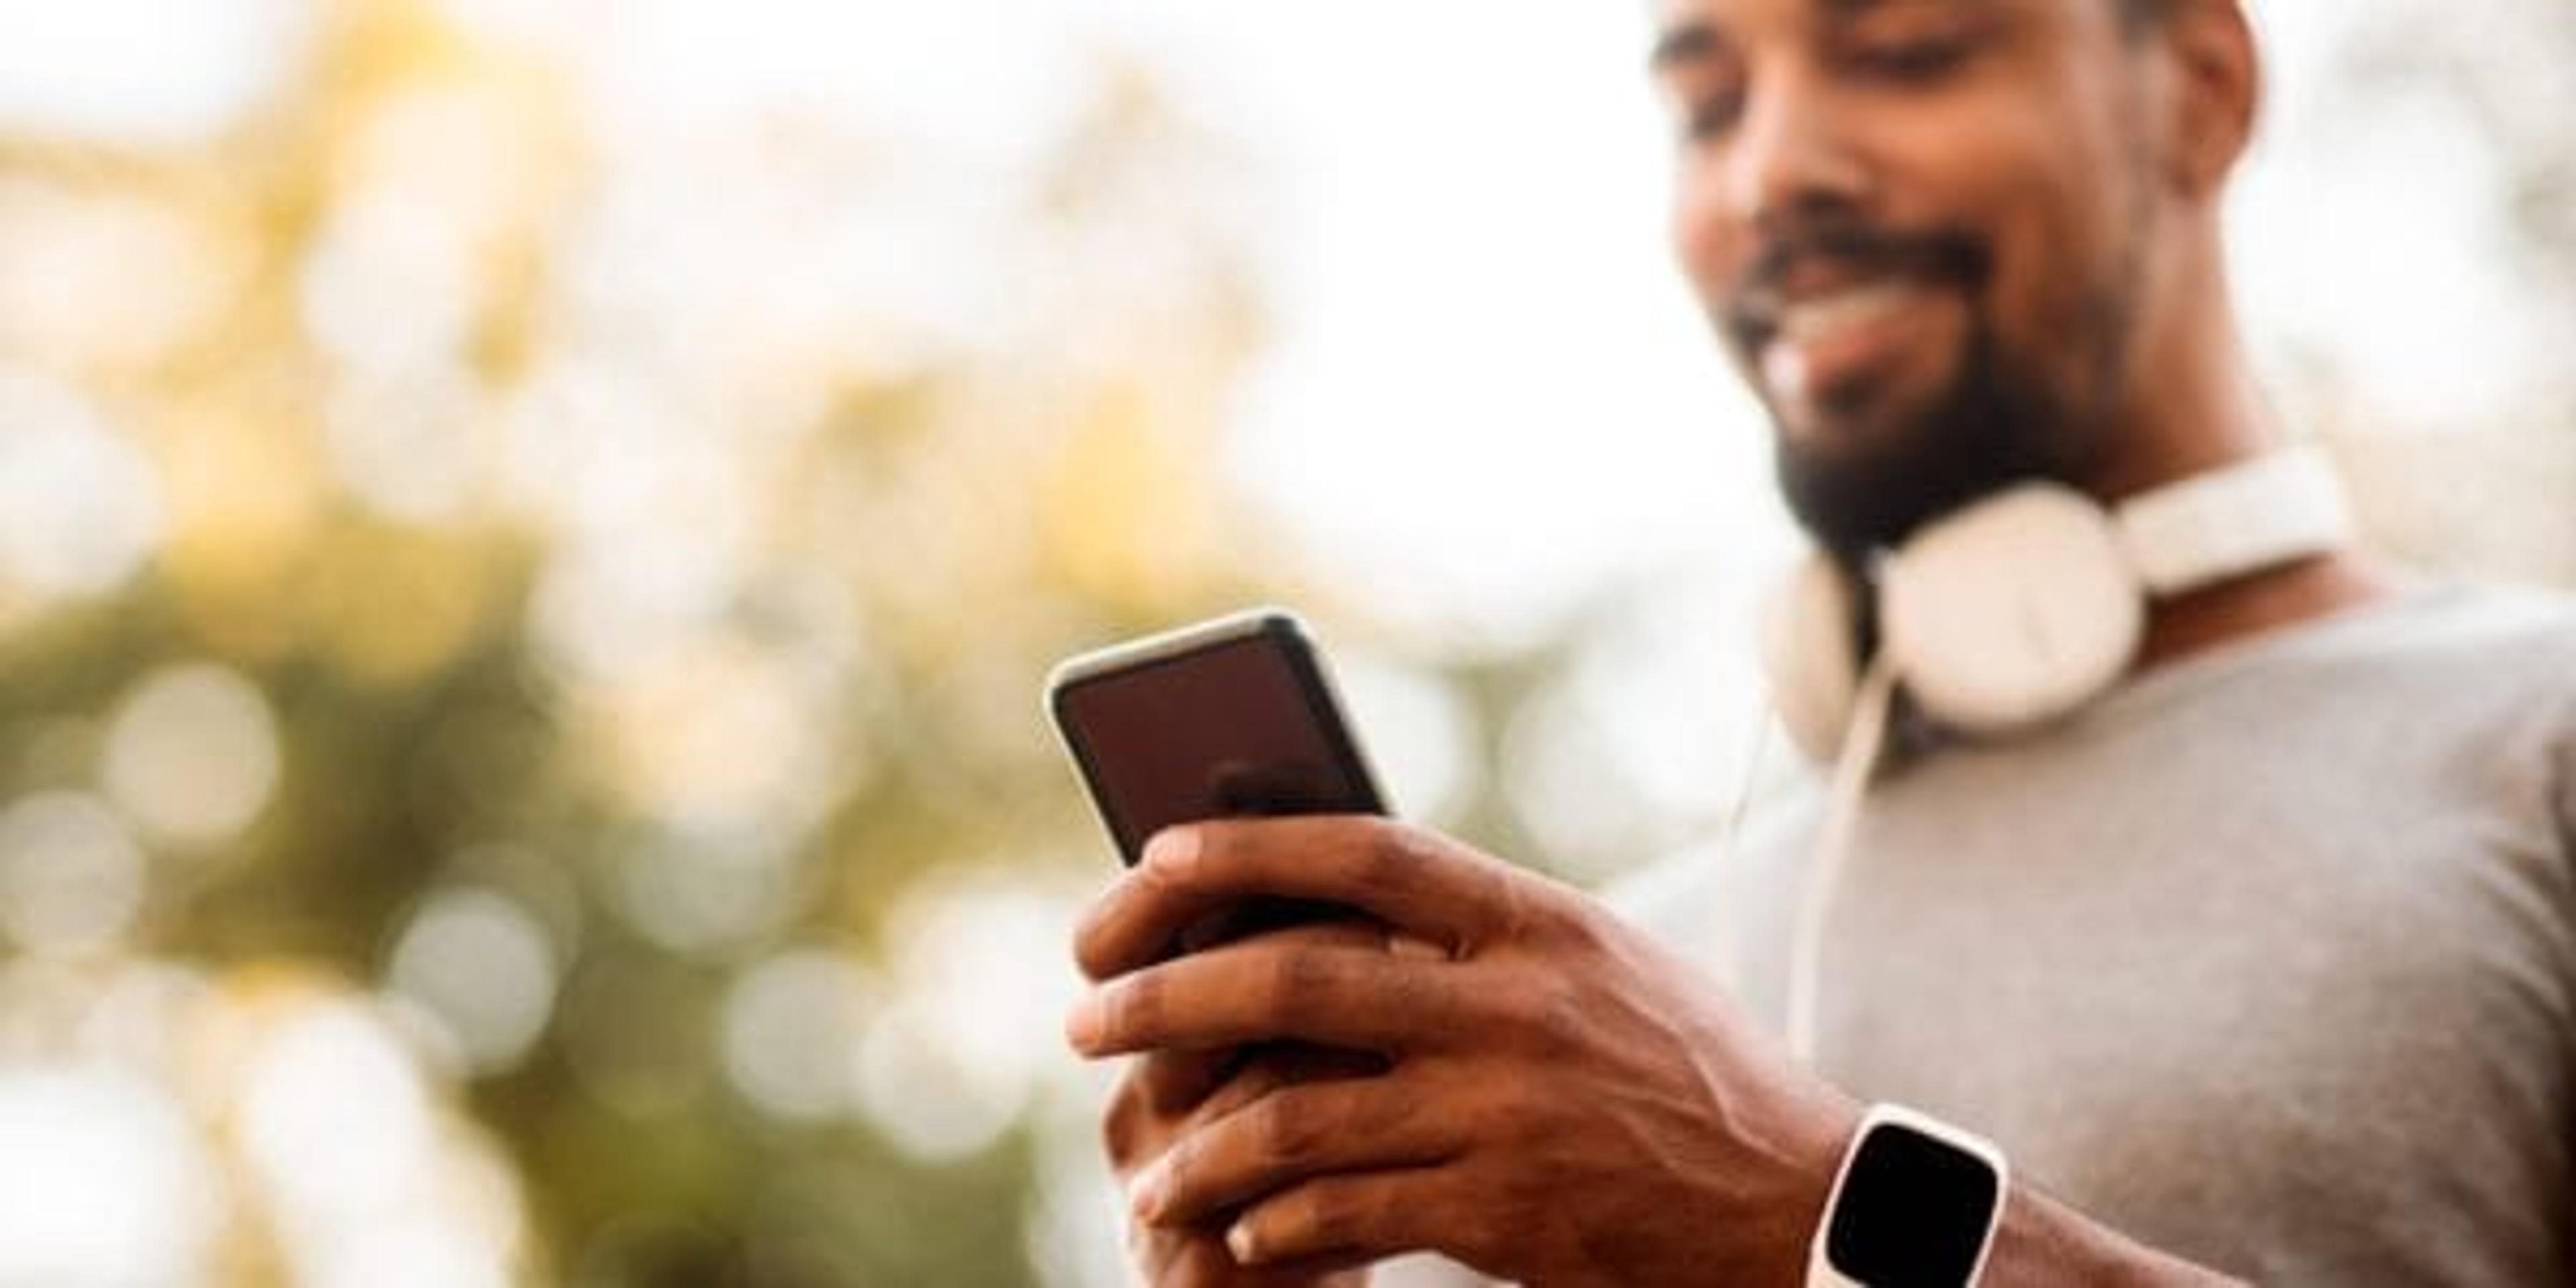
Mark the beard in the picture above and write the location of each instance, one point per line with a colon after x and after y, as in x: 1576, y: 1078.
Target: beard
x: 2004, y: 417
x: 1994, y: 426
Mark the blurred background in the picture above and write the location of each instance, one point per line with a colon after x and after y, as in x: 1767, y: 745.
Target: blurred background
x: 530, y: 533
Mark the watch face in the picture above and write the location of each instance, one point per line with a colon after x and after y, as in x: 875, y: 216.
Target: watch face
x: 1913, y: 1211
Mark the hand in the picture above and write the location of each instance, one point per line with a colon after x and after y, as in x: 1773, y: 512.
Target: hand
x: 1165, y: 1094
x: 1563, y: 1102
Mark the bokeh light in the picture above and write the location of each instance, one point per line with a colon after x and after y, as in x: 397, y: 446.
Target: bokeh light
x: 192, y: 754
x: 793, y: 1028
x: 108, y: 282
x: 103, y: 1181
x: 485, y: 967
x: 79, y: 506
x: 334, y: 1119
x: 955, y: 1054
x: 140, y: 71
x: 71, y: 879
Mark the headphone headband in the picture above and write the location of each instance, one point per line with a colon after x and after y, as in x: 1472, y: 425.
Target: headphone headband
x: 2239, y: 518
x: 2026, y: 603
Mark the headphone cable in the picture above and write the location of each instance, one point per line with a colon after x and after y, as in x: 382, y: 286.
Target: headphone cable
x: 1862, y: 742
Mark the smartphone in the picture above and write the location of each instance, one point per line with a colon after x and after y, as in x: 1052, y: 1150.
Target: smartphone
x: 1226, y: 718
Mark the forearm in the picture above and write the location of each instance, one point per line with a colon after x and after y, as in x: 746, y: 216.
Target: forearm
x: 2043, y: 1243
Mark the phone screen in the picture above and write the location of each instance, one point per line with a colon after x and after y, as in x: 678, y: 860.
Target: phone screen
x: 1240, y: 724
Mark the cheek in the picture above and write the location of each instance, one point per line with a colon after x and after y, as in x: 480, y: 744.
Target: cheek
x: 1704, y: 246
x: 2059, y: 272
x: 2047, y: 212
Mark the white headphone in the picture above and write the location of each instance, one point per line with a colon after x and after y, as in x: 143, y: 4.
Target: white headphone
x: 2013, y: 611
x: 2027, y: 604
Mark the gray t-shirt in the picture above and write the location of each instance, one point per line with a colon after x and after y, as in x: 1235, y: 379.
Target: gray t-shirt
x: 2267, y: 959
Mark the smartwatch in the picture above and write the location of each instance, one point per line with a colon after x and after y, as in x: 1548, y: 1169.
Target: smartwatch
x: 1914, y: 1205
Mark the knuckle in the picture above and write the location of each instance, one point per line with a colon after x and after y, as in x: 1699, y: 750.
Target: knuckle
x: 1133, y: 1006
x: 1164, y: 878
x: 1298, y: 979
x: 1525, y: 917
x: 1181, y: 1161
x: 1392, y: 849
x: 1583, y: 925
x: 1288, y: 1130
x: 1564, y: 1025
x: 1336, y: 1217
x: 1548, y: 1017
x: 1246, y: 1088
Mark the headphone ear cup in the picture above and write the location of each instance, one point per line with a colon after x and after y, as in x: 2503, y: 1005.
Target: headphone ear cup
x: 2013, y: 611
x: 1811, y: 655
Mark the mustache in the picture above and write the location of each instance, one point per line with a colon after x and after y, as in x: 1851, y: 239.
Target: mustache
x: 1855, y: 245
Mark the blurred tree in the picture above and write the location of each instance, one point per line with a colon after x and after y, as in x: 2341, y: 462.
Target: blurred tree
x: 582, y: 559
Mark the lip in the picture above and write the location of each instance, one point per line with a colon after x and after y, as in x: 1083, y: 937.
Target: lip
x: 1832, y: 341
x: 1831, y: 258
x: 1810, y: 278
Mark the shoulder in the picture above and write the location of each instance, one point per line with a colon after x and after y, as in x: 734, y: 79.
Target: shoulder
x: 2487, y: 662
x: 2512, y: 646
x: 2448, y: 650
x: 2460, y: 621
x: 2510, y: 650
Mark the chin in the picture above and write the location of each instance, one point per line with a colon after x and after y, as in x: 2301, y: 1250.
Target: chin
x: 1860, y: 482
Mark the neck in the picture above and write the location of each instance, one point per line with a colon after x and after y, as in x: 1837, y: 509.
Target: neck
x: 2249, y: 606
x: 2189, y: 402
x: 2192, y: 405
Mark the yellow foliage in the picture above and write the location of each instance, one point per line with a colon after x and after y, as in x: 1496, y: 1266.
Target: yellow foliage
x: 1130, y: 513
x: 389, y: 605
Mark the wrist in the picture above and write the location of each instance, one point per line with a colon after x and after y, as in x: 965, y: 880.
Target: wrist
x: 1815, y: 1131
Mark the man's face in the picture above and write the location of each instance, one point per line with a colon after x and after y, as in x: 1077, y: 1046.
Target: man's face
x: 1919, y: 226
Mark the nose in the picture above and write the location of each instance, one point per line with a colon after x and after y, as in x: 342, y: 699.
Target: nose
x: 1793, y: 154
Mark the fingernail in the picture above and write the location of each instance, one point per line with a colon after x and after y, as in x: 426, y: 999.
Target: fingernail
x: 1148, y: 1195
x: 1239, y: 1242
x: 1082, y: 1023
x: 1173, y: 849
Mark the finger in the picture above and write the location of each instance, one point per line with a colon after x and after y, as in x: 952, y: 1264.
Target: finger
x: 1354, y: 1216
x: 1353, y: 930
x: 1329, y: 928
x: 1166, y: 1093
x: 1414, y: 880
x: 1338, y: 997
x: 1161, y: 1092
x: 1259, y: 1070
x: 1253, y: 918
x: 1247, y: 919
x: 1290, y: 1135
x: 1173, y: 1083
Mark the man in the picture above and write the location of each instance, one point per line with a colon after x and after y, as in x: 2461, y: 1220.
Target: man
x: 2264, y: 965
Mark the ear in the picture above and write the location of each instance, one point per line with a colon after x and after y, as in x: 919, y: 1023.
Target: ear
x: 2213, y: 83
